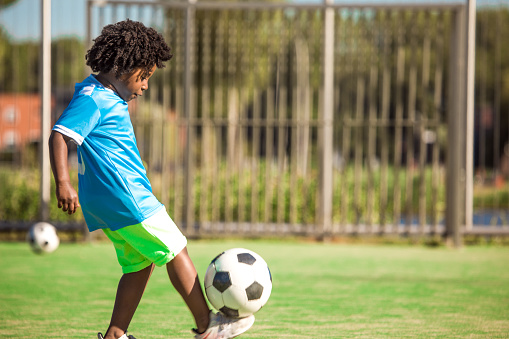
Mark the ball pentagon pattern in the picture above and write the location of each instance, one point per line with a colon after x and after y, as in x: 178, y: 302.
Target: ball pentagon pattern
x: 238, y: 282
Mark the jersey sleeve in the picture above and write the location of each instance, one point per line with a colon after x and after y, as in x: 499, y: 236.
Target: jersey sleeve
x: 79, y: 118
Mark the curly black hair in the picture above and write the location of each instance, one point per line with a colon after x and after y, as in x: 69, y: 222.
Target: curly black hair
x: 126, y: 46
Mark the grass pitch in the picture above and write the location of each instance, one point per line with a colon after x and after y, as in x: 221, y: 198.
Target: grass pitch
x: 320, y: 291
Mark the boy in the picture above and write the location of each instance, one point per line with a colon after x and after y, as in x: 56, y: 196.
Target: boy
x: 114, y: 192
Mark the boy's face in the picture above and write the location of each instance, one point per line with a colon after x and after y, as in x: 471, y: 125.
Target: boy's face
x: 132, y: 85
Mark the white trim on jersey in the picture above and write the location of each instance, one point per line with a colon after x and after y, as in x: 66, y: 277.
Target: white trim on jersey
x: 71, y: 134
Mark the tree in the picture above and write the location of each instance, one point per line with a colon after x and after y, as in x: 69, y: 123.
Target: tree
x: 6, y: 3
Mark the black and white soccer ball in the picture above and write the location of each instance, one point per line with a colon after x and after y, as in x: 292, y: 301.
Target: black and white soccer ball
x: 238, y: 282
x: 43, y: 238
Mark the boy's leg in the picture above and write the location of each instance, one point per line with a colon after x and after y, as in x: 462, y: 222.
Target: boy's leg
x: 129, y: 292
x: 184, y: 278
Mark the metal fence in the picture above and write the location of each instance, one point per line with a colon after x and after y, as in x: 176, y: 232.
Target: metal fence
x: 314, y: 119
x: 237, y: 137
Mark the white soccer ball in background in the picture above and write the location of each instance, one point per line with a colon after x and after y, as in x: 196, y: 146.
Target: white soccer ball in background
x: 43, y: 237
x: 238, y: 282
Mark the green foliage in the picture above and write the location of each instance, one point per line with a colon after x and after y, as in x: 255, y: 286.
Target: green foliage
x: 269, y: 195
x: 68, y: 56
x: 493, y: 198
x: 6, y: 3
x: 20, y: 197
x: 19, y: 63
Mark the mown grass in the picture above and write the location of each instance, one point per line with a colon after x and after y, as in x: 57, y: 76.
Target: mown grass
x: 320, y: 291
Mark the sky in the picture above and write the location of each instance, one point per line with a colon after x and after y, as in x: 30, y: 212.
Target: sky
x: 68, y: 18
x: 22, y: 19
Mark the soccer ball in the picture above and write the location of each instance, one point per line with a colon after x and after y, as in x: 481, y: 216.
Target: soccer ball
x: 43, y: 237
x: 238, y: 282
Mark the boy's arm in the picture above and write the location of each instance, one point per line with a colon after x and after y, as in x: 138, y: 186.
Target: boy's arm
x: 66, y: 194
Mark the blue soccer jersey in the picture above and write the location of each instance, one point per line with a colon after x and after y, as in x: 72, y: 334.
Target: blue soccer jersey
x: 114, y: 190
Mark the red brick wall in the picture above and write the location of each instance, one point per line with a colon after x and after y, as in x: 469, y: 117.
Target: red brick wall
x: 20, y: 119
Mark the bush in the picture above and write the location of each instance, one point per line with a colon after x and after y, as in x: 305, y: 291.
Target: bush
x: 267, y: 195
x: 20, y: 200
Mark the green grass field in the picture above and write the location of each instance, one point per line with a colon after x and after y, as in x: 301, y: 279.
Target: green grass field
x: 320, y: 291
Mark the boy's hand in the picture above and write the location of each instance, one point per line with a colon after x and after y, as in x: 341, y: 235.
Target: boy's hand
x: 67, y: 197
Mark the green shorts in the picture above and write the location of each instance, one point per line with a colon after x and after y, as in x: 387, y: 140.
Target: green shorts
x: 155, y: 240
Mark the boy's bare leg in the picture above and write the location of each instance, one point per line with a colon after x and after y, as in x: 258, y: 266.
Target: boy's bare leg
x: 129, y: 292
x: 184, y: 278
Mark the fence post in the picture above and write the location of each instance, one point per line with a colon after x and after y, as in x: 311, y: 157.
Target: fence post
x: 469, y: 188
x: 45, y: 92
x: 456, y: 124
x: 326, y: 151
x: 188, y: 87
